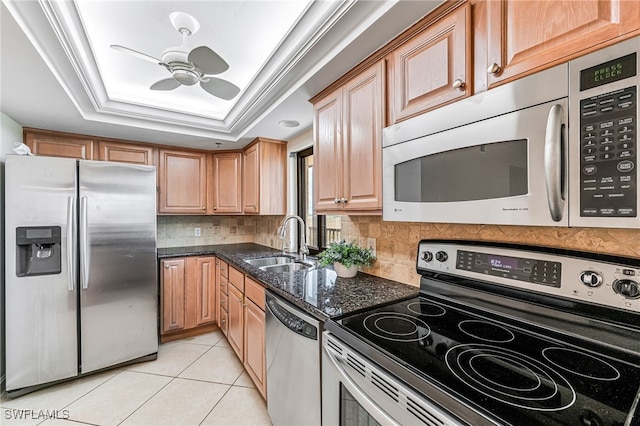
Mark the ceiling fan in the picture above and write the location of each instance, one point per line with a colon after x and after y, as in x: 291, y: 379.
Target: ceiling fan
x: 188, y: 68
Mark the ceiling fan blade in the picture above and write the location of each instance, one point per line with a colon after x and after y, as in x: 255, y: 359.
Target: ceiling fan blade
x: 137, y: 54
x: 220, y: 88
x: 207, y: 60
x: 166, y: 84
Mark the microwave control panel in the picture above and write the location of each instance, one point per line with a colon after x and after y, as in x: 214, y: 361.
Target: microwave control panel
x: 608, y: 142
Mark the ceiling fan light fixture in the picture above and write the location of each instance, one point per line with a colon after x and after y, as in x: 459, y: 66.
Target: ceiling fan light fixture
x: 186, y: 77
x: 184, y: 22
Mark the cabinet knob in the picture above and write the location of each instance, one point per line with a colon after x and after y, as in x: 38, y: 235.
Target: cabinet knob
x: 240, y: 301
x: 215, y: 208
x: 343, y: 200
x: 458, y: 84
x: 204, y: 208
x: 223, y: 321
x: 166, y: 266
x: 336, y: 201
x: 494, y: 68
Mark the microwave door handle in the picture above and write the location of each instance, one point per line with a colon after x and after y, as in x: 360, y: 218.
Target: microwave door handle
x: 553, y: 159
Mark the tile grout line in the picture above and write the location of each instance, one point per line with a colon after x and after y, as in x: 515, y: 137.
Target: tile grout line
x: 148, y: 399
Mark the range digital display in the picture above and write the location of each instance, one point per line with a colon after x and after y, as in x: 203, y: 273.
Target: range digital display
x: 608, y: 72
x: 502, y: 262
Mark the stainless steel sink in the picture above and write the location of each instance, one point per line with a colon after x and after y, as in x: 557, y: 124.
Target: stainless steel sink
x: 286, y: 267
x: 270, y: 261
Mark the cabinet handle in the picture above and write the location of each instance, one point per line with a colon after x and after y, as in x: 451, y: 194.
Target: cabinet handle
x: 215, y: 208
x: 343, y: 200
x: 494, y: 68
x: 240, y: 301
x: 166, y: 266
x: 223, y: 321
x: 458, y: 84
x: 336, y: 201
x: 204, y: 208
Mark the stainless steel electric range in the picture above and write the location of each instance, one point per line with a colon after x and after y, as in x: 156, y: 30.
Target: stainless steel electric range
x: 499, y: 335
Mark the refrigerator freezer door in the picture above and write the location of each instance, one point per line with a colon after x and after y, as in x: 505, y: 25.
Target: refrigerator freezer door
x: 41, y: 314
x: 119, y: 286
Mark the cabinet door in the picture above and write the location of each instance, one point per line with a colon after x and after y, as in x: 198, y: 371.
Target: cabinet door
x: 235, y: 320
x: 251, y: 180
x: 173, y: 294
x: 363, y: 100
x: 254, y: 346
x: 527, y: 36
x: 431, y: 69
x: 327, y: 158
x: 183, y: 182
x: 126, y: 153
x: 206, y: 304
x: 60, y: 146
x: 227, y: 183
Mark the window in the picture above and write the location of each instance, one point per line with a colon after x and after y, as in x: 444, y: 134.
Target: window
x: 320, y: 229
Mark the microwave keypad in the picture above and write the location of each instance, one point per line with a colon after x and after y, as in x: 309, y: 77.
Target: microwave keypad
x: 608, y: 139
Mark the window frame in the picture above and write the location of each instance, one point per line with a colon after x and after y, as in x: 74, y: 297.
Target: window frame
x: 303, y: 202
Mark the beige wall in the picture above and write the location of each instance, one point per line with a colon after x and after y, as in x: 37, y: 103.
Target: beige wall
x: 397, y: 242
x: 178, y: 231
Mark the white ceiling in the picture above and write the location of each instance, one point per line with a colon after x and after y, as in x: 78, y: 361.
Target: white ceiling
x: 58, y: 72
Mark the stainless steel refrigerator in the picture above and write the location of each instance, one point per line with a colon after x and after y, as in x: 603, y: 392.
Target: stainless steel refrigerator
x: 81, y: 289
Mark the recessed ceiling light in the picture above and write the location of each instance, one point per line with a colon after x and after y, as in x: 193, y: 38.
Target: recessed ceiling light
x: 289, y: 123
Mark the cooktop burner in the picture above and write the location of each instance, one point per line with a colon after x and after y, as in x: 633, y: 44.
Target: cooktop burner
x: 509, y: 370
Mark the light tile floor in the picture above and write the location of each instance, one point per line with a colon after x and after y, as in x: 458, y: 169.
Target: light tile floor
x: 194, y: 381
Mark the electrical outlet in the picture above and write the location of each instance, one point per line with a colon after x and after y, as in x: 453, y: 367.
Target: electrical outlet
x: 371, y: 243
x: 197, y: 232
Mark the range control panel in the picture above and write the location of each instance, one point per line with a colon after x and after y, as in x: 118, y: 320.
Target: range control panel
x: 572, y: 277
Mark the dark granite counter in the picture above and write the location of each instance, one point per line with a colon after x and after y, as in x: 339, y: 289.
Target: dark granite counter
x: 317, y: 291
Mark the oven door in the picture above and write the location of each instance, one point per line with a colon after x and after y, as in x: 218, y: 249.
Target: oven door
x: 356, y: 392
x: 509, y: 169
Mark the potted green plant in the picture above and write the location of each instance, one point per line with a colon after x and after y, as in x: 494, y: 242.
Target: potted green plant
x: 346, y: 258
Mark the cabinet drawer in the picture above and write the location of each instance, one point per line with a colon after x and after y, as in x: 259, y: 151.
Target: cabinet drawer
x: 224, y: 285
x: 254, y: 291
x: 236, y: 278
x: 224, y: 268
x: 224, y: 302
x: 223, y: 321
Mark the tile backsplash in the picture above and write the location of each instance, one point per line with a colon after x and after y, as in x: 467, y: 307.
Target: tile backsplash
x: 179, y: 231
x: 396, y: 242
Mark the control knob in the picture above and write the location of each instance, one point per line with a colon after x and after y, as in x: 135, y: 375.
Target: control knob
x: 427, y: 256
x: 628, y: 288
x: 441, y: 256
x: 591, y: 278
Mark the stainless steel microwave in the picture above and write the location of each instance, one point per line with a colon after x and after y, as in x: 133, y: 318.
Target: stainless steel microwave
x: 556, y: 148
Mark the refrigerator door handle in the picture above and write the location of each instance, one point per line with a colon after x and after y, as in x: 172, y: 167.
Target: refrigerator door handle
x: 71, y: 214
x: 84, y: 246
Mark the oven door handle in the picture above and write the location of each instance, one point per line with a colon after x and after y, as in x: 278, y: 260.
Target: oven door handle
x: 370, y: 406
x: 554, y: 162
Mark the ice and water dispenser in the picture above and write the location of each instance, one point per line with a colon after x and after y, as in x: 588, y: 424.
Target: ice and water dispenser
x: 38, y: 250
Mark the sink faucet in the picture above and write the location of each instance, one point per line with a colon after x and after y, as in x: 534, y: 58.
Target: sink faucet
x: 282, y: 231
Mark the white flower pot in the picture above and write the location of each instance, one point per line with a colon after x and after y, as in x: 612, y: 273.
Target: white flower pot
x: 344, y: 272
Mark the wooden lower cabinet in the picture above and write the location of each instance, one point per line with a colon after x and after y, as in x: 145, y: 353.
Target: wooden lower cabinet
x: 254, y: 335
x: 235, y: 330
x: 188, y: 296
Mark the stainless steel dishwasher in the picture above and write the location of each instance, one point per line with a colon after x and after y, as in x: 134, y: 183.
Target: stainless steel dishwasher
x: 293, y: 364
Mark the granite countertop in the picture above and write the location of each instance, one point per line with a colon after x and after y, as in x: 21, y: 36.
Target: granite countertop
x: 317, y: 291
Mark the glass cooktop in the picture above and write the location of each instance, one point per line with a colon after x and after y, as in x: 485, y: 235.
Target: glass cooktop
x: 510, y: 372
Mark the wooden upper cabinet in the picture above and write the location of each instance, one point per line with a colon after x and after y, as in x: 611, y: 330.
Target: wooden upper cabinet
x: 348, y: 145
x: 227, y: 183
x: 126, y: 153
x: 183, y: 181
x: 264, y: 169
x: 56, y: 144
x: 431, y: 69
x: 527, y: 36
x: 327, y: 145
